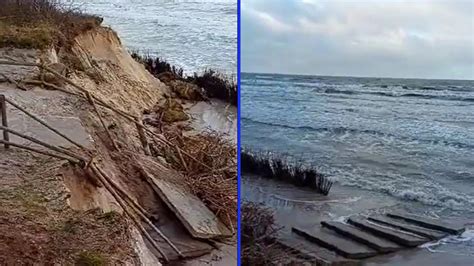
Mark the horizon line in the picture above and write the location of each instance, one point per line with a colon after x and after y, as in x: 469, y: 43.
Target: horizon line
x: 351, y: 76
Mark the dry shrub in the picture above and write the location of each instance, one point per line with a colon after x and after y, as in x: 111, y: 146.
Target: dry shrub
x: 215, y: 182
x: 157, y: 65
x: 217, y: 85
x: 214, y: 84
x: 258, y: 237
x: 40, y: 23
x: 277, y: 166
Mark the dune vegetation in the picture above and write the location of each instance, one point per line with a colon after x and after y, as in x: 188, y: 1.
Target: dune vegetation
x: 40, y: 23
x: 212, y: 83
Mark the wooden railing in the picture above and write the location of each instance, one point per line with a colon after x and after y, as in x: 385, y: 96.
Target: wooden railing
x: 86, y: 160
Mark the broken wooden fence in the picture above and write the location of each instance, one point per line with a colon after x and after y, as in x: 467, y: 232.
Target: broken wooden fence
x: 131, y: 208
x: 93, y: 100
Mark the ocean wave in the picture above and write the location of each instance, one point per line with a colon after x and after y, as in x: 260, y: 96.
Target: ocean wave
x: 335, y: 130
x: 390, y: 94
x: 345, y: 130
x: 437, y: 247
x: 417, y: 193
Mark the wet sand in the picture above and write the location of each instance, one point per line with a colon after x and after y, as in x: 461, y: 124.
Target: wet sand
x: 216, y: 116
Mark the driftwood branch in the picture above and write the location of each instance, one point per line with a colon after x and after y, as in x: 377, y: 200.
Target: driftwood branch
x: 142, y: 136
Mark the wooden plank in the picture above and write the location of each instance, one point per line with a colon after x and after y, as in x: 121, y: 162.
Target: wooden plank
x: 429, y: 223
x: 399, y: 237
x: 190, y: 210
x: 342, y: 246
x: 380, y: 244
x: 422, y: 231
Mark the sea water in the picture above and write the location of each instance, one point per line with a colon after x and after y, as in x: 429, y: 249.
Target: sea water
x: 194, y: 35
x: 404, y: 144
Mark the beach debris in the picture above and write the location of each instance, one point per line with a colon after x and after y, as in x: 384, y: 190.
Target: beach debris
x: 258, y: 236
x: 193, y: 214
x: 212, y: 176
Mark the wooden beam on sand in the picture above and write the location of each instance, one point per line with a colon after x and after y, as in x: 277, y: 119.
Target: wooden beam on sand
x: 73, y: 161
x: 3, y: 114
x: 44, y: 144
x: 39, y: 120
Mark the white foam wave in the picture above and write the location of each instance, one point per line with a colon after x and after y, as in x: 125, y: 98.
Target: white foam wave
x: 467, y: 236
x: 318, y: 202
x: 424, y: 191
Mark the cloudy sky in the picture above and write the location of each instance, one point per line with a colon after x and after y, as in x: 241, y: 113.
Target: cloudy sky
x: 379, y: 38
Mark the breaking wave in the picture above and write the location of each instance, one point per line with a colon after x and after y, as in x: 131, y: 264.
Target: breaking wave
x: 395, y: 95
x: 346, y: 130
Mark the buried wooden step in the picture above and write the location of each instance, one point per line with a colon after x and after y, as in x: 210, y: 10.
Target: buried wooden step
x: 302, y: 248
x: 380, y: 244
x: 330, y: 240
x: 399, y: 224
x: 429, y: 223
x: 399, y: 237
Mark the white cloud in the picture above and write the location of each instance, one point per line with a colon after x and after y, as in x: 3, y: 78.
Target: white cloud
x: 267, y: 21
x: 437, y: 35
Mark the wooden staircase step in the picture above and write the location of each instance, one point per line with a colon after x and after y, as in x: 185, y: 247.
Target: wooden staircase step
x: 380, y: 244
x: 399, y: 237
x: 311, y: 251
x: 332, y: 241
x: 399, y: 224
x: 429, y: 223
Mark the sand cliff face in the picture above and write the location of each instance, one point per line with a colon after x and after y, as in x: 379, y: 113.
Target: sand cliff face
x: 113, y: 74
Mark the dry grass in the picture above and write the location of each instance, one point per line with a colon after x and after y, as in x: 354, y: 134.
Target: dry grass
x: 214, y: 84
x: 41, y: 23
x: 216, y: 186
x: 217, y: 86
x: 156, y: 65
x: 258, y: 237
x: 37, y: 37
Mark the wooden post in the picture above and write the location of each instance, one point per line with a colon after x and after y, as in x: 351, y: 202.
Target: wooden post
x: 142, y: 135
x: 3, y: 114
